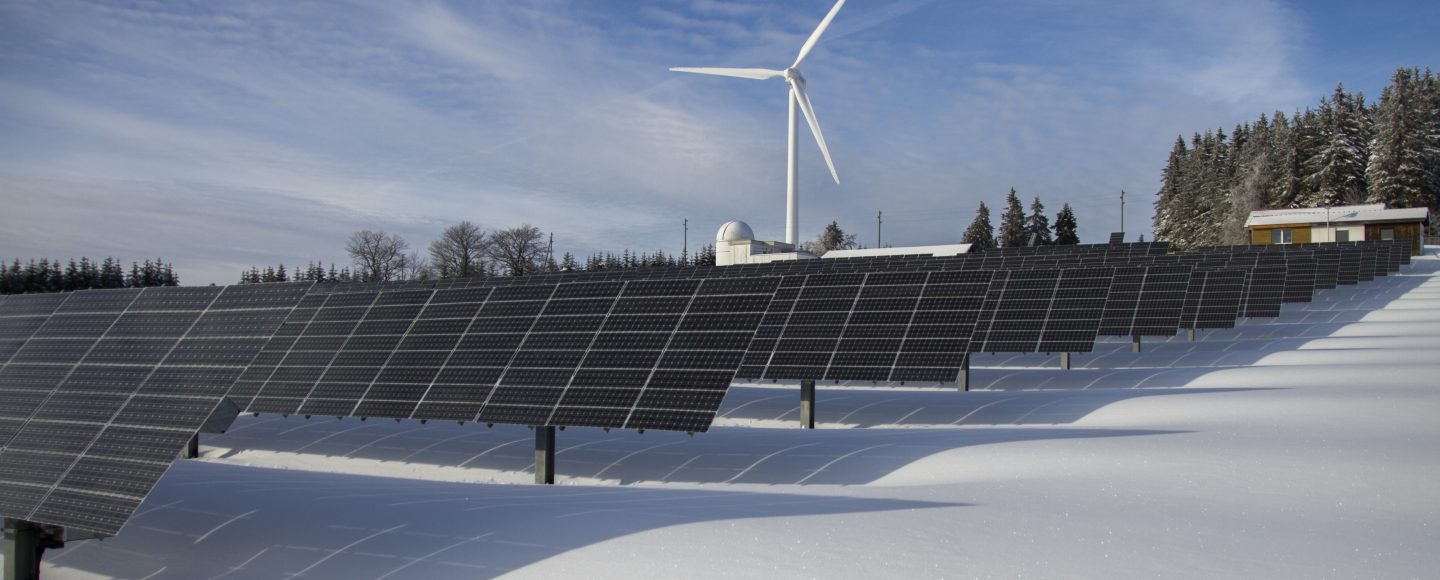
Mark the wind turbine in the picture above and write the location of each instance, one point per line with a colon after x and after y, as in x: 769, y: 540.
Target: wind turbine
x: 796, y: 82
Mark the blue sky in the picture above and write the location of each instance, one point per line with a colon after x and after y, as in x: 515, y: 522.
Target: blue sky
x: 221, y: 135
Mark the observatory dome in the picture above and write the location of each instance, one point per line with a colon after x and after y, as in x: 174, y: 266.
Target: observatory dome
x: 734, y: 231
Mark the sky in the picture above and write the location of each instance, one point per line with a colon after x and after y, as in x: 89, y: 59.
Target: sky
x: 224, y: 135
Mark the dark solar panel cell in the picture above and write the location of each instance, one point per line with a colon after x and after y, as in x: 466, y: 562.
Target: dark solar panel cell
x: 109, y: 476
x: 515, y: 414
x: 514, y: 293
x: 135, y: 443
x: 53, y: 351
x: 472, y: 295
x: 34, y: 304
x: 670, y: 420
x: 606, y: 290
x: 102, y: 513
x: 568, y: 323
x: 84, y: 325
x: 157, y: 299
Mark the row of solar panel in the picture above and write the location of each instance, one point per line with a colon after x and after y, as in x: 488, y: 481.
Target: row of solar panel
x: 101, y: 389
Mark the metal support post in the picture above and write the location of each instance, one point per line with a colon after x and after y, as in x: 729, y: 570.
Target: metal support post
x: 1065, y: 360
x: 1190, y: 334
x: 807, y: 404
x: 192, y: 448
x: 962, y: 380
x: 1135, y: 343
x: 545, y: 455
x: 25, y: 544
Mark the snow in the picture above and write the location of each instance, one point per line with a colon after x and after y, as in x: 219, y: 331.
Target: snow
x: 1305, y: 446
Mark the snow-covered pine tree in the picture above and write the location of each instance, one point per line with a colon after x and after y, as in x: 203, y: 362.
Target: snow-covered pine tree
x: 1335, y: 170
x: 980, y: 235
x: 1397, y: 174
x: 1251, y: 181
x: 1168, y: 199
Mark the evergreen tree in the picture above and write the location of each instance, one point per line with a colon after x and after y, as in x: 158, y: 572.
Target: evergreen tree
x: 1335, y: 170
x: 72, y: 276
x: 1037, y: 226
x: 112, y: 274
x: 1012, y: 223
x: 1169, y: 200
x: 1398, y: 174
x: 706, y: 256
x: 832, y: 238
x: 980, y: 235
x: 1065, y: 226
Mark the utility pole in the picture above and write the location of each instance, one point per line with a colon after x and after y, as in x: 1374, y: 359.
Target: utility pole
x: 1122, y: 212
x: 685, y: 246
x: 877, y: 227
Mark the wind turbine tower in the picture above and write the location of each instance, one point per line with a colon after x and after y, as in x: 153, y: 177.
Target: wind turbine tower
x: 797, y: 98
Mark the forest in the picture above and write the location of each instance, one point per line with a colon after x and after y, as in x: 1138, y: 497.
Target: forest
x: 47, y: 275
x: 1345, y: 151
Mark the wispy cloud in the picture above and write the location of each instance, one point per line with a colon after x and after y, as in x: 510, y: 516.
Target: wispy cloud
x: 234, y: 134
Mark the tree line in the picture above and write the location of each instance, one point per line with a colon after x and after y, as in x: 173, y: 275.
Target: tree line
x: 464, y: 250
x: 46, y: 275
x: 1345, y: 151
x: 1018, y: 228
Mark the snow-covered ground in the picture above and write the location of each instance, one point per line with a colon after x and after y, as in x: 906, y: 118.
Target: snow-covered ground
x: 1304, y: 447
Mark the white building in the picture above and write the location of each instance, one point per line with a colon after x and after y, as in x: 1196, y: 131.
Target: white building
x: 735, y: 244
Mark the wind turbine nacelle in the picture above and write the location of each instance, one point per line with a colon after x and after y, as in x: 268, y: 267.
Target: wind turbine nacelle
x: 793, y: 76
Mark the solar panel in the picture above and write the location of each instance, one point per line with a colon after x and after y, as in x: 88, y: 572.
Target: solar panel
x: 1407, y: 246
x: 1368, y: 256
x: 1299, y: 278
x: 1381, y: 266
x: 882, y: 326
x: 1264, y: 290
x: 1327, y: 268
x: 1350, y: 258
x: 1145, y: 301
x: 642, y: 354
x: 1213, y: 298
x: 1042, y: 310
x: 128, y: 378
x: 1117, y: 237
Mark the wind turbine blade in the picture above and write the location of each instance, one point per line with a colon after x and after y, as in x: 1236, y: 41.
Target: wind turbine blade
x: 744, y: 73
x: 804, y: 100
x: 815, y: 36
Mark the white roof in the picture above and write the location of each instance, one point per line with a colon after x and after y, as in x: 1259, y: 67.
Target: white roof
x: 1374, y: 212
x: 942, y: 250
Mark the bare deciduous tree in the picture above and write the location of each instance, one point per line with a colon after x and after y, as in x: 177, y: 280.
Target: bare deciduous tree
x: 378, y: 256
x: 520, y: 250
x: 460, y: 251
x: 413, y: 267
